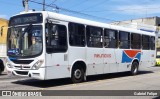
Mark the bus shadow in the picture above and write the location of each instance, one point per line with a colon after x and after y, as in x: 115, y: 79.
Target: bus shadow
x: 3, y: 74
x: 67, y: 81
x: 114, y: 75
x: 157, y: 97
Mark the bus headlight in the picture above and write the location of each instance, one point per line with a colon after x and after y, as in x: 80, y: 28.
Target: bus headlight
x: 37, y: 65
x: 9, y: 66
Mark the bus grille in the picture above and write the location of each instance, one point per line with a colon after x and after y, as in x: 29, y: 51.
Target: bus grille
x: 22, y: 61
x: 22, y: 67
x: 22, y: 72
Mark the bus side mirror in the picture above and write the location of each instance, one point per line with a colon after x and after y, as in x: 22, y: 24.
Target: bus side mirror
x: 54, y: 29
x: 1, y: 30
x: 47, y: 30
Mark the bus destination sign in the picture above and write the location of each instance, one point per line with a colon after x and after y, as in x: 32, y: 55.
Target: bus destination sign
x: 26, y: 19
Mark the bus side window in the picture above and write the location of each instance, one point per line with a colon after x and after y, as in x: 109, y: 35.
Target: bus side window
x: 62, y: 36
x: 110, y: 38
x: 51, y: 34
x: 124, y: 40
x: 56, y: 38
x: 94, y: 36
x: 54, y: 35
x: 145, y: 42
x: 135, y: 41
x: 47, y: 28
x: 152, y: 41
x: 76, y: 34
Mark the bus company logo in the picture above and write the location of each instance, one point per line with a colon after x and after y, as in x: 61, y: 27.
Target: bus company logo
x: 129, y: 55
x: 102, y: 55
x: 20, y: 66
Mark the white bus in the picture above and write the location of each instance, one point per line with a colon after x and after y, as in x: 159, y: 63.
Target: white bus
x: 47, y: 45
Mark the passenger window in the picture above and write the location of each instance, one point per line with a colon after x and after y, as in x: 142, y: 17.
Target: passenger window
x: 94, y: 37
x: 110, y: 38
x: 76, y: 34
x: 152, y: 40
x: 56, y: 38
x: 145, y: 42
x: 135, y: 41
x: 124, y: 40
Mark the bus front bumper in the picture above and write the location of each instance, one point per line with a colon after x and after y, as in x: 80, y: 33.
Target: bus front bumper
x: 38, y: 74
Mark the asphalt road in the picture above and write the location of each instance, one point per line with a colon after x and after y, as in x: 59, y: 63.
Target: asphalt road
x: 149, y: 79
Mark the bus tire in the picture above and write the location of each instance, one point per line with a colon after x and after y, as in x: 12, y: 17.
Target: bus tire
x: 77, y: 74
x: 1, y: 71
x: 134, y: 68
x: 1, y: 67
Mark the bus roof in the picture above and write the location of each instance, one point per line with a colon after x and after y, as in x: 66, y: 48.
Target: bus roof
x: 62, y: 17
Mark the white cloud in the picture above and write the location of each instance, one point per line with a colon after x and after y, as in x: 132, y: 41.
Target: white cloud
x: 4, y: 16
x: 139, y: 9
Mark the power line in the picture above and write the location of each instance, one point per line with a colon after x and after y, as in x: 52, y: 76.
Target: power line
x: 71, y: 11
x: 123, y: 9
x: 79, y: 3
x: 52, y: 3
x: 98, y: 4
x: 79, y: 13
x: 36, y: 2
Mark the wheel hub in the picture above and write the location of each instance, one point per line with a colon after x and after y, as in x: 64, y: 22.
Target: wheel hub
x: 135, y: 70
x: 77, y: 74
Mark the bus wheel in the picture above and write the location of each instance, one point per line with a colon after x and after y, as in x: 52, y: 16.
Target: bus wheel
x: 1, y: 71
x: 134, y: 68
x: 77, y: 74
x: 1, y: 68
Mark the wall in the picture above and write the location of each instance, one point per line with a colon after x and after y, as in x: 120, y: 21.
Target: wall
x: 3, y: 37
x: 154, y: 21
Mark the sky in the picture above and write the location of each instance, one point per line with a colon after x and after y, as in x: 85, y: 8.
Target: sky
x: 100, y: 10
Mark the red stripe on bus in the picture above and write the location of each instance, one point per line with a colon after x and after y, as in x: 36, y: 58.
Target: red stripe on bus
x: 132, y: 53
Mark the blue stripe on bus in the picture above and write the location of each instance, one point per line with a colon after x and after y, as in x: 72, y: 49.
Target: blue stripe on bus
x: 11, y: 58
x: 127, y: 59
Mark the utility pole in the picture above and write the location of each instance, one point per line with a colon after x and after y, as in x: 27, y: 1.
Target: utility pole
x: 43, y: 5
x: 25, y: 5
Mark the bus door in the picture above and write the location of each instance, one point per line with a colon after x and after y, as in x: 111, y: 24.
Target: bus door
x: 145, y: 58
x: 146, y: 52
x: 123, y: 52
x: 109, y: 61
x: 56, y: 49
x: 77, y: 49
x: 110, y: 48
x: 153, y: 51
x: 94, y: 50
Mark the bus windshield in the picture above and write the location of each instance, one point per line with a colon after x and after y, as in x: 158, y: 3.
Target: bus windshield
x: 24, y: 41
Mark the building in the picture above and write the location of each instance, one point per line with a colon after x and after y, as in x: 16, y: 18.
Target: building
x: 151, y: 24
x: 3, y: 37
x: 3, y: 30
x: 155, y: 21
